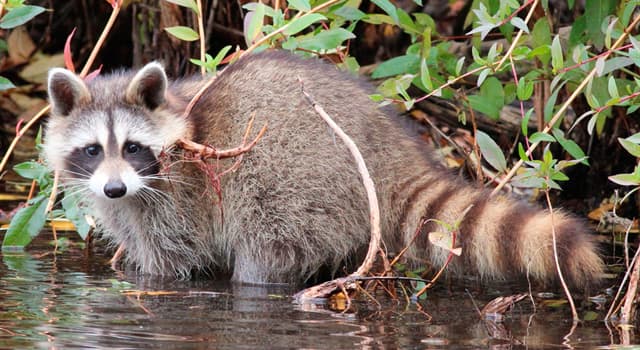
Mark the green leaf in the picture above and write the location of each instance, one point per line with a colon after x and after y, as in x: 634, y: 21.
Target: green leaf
x: 256, y: 21
x: 20, y: 15
x: 31, y: 170
x: 406, y: 23
x: 300, y: 5
x: 482, y: 76
x: 524, y: 89
x: 389, y: 8
x: 459, y: 65
x: 397, y: 65
x: 522, y: 153
x: 326, y: 39
x: 578, y: 31
x: 635, y: 138
x: 491, y: 151
x: 596, y: 11
x: 183, y: 33
x: 302, y: 23
x: 74, y: 211
x: 570, y: 146
x: 350, y: 13
x: 376, y: 97
x: 26, y: 224
x: 520, y: 24
x: 557, y: 60
x: 376, y: 18
x: 186, y: 3
x: 541, y: 137
x: 5, y: 84
x: 626, y: 179
x: 221, y: 55
x: 425, y: 77
x: 541, y: 34
x: 612, y: 87
x: 631, y: 147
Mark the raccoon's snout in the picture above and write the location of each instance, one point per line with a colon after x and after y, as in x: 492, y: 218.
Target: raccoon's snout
x: 115, y: 189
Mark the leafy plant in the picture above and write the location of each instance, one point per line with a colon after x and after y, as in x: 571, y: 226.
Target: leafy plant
x: 31, y: 219
x: 17, y: 13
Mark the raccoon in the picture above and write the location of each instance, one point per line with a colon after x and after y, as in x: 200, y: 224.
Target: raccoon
x: 296, y: 203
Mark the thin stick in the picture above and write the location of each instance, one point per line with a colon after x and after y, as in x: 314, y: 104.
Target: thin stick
x: 374, y: 210
x: 210, y: 152
x: 102, y: 38
x: 557, y: 260
x: 626, y: 314
x: 52, y: 197
x: 614, y: 303
x: 203, y: 50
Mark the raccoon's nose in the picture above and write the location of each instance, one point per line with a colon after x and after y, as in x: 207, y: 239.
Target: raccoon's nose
x: 115, y: 189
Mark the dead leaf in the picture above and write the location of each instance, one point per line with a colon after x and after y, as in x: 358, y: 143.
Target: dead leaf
x: 501, y: 305
x: 26, y: 102
x: 596, y: 214
x: 20, y: 46
x: 444, y: 241
x: 62, y: 225
x: 36, y: 71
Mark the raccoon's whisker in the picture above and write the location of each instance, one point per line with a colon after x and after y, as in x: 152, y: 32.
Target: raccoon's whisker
x: 85, y: 172
x: 170, y: 179
x: 153, y: 197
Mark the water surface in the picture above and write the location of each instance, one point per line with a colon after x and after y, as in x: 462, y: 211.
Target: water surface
x: 72, y: 299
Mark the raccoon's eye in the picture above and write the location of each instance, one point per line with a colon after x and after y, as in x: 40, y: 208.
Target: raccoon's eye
x: 92, y: 150
x: 131, y: 147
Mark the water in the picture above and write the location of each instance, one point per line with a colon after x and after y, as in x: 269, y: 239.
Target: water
x: 72, y: 300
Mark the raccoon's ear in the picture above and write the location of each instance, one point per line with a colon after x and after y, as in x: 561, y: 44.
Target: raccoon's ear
x: 66, y: 91
x: 148, y: 86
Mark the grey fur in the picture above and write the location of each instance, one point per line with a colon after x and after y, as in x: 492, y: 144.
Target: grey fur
x: 296, y: 203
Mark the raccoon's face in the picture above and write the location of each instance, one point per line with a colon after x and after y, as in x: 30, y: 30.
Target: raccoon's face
x: 108, y: 137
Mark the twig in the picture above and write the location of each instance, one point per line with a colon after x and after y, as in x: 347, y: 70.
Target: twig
x: 374, y: 210
x: 203, y: 50
x: 557, y: 260
x: 205, y: 151
x: 329, y: 287
x: 614, y: 305
x: 514, y: 42
x: 116, y: 257
x: 626, y: 314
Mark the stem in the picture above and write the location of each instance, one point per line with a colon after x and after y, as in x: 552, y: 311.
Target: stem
x: 102, y: 38
x: 559, y: 114
x: 22, y: 131
x: 518, y: 36
x: 374, y: 209
x: 203, y: 50
x: 557, y: 260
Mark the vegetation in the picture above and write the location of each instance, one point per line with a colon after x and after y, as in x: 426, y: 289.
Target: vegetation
x: 567, y: 71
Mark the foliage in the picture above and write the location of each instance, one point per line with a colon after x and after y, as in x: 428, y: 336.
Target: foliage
x: 17, y: 13
x: 29, y: 220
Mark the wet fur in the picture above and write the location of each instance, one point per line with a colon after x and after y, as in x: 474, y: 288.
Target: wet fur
x: 296, y: 203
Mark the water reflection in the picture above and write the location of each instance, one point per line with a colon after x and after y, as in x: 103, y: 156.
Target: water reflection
x: 73, y: 300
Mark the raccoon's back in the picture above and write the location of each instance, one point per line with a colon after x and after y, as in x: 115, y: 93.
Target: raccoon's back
x: 297, y: 201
